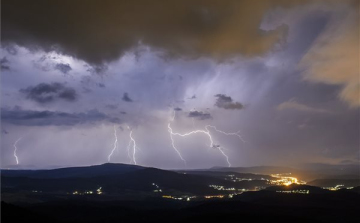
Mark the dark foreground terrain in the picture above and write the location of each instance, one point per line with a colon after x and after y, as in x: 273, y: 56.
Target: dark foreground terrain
x: 259, y: 206
x: 126, y: 193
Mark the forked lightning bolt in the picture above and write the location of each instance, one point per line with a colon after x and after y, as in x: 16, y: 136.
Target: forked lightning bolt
x: 207, y: 133
x: 212, y: 145
x: 227, y: 133
x: 171, y: 137
x: 115, y: 144
x: 16, y: 158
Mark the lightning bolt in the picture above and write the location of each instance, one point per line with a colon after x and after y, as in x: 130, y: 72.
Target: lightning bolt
x: 16, y: 158
x: 115, y: 144
x: 227, y: 133
x: 173, y: 144
x: 212, y: 145
x: 134, y: 147
x: 128, y: 150
x: 223, y: 153
x: 172, y: 139
x: 205, y: 132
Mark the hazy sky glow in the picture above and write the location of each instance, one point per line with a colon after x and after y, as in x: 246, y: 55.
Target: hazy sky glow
x: 285, y: 74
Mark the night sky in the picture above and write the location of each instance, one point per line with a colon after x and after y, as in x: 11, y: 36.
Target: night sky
x: 282, y: 74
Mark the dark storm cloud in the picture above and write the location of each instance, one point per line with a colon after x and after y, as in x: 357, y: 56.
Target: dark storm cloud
x: 4, y: 64
x: 45, y: 118
x: 126, y: 97
x: 227, y: 102
x: 199, y: 115
x: 101, y: 31
x: 63, y: 67
x: 46, y: 93
x: 177, y: 109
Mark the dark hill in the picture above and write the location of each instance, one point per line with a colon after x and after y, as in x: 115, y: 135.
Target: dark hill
x: 72, y: 172
x: 117, y: 179
x: 334, y: 182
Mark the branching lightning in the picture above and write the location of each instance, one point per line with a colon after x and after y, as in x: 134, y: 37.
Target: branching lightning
x: 227, y: 133
x: 115, y: 144
x: 134, y: 147
x: 131, y: 145
x: 171, y: 137
x: 16, y: 158
x: 173, y: 144
x: 212, y: 145
x: 207, y: 133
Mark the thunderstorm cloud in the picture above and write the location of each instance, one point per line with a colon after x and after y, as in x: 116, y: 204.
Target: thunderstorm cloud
x: 78, y: 69
x: 208, y: 28
x: 199, y: 115
x: 62, y: 67
x: 48, y: 118
x: 226, y: 102
x: 45, y: 93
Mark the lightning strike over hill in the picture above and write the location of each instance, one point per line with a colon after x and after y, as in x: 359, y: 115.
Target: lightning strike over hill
x: 134, y: 147
x: 16, y: 157
x: 172, y: 139
x: 115, y: 144
x: 207, y: 133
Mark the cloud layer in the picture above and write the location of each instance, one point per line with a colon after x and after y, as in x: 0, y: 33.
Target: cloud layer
x: 45, y: 93
x: 62, y: 67
x: 226, y: 102
x: 199, y: 115
x: 294, y: 105
x: 334, y: 56
x: 51, y: 118
x: 4, y: 64
x: 101, y: 31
